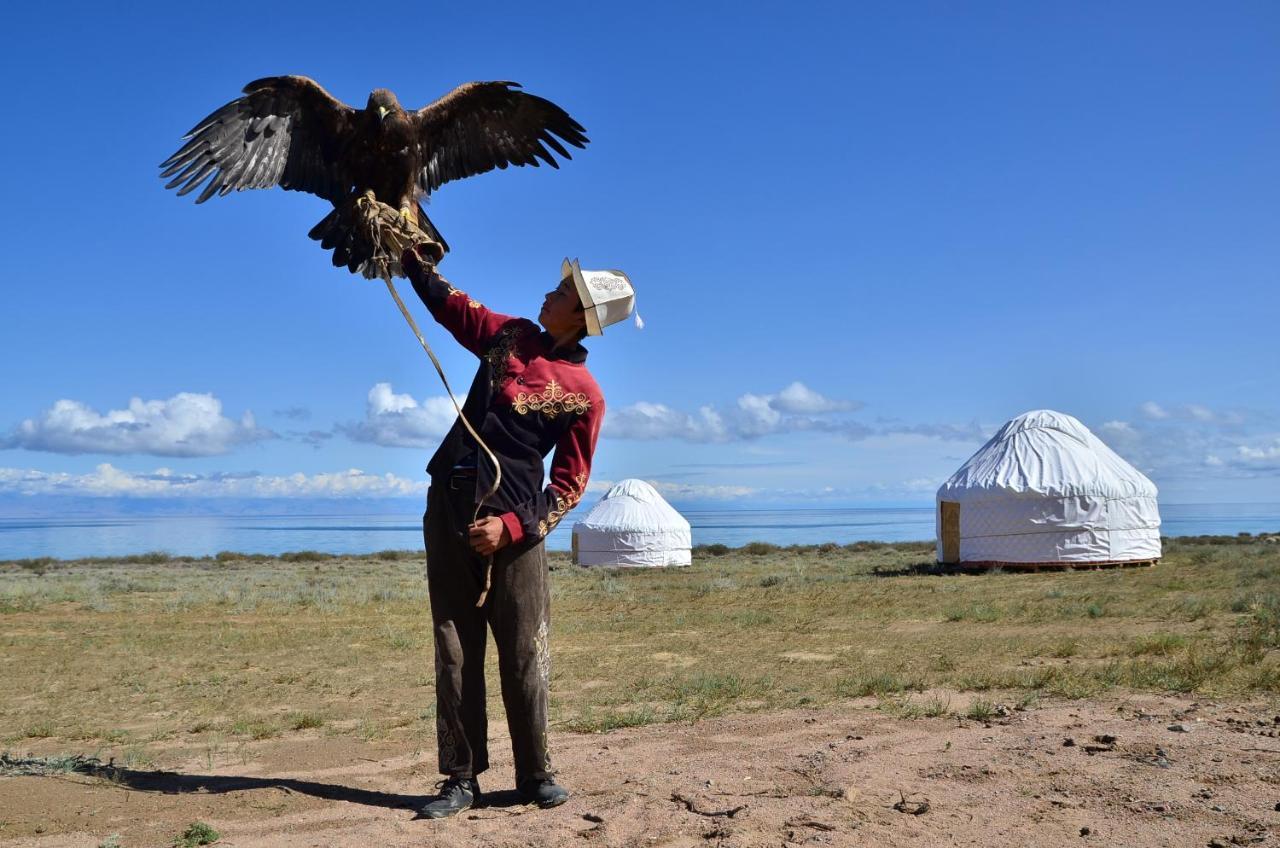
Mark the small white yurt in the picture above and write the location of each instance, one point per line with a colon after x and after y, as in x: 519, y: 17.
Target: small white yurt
x: 632, y: 525
x: 1046, y: 491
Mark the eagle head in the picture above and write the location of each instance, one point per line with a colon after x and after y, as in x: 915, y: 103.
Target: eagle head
x: 383, y: 103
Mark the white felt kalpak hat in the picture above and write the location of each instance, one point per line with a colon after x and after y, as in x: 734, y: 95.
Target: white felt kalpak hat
x: 607, y: 296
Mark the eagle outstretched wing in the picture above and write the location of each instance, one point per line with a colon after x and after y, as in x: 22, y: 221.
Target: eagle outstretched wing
x: 485, y: 125
x: 284, y: 131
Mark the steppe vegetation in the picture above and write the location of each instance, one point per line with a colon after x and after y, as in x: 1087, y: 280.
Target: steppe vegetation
x: 128, y: 654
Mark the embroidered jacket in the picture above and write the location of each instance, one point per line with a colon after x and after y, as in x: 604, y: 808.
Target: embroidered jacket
x: 525, y: 400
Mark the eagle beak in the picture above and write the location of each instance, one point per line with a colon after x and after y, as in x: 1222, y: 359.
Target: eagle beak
x: 382, y: 113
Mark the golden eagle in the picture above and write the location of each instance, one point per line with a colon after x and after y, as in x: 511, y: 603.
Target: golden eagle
x: 290, y: 132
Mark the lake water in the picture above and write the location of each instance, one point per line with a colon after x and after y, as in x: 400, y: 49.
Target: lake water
x: 206, y: 535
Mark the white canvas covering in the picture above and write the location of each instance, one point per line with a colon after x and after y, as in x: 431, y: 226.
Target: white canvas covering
x: 1046, y: 490
x: 632, y: 525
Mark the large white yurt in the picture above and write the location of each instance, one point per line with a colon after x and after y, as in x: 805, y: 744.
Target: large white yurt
x: 1046, y: 491
x: 632, y: 525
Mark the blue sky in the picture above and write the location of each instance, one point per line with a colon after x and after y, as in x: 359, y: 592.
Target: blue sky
x: 863, y: 236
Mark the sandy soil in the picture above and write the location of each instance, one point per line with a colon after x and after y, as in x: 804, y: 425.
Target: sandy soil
x: 1080, y: 773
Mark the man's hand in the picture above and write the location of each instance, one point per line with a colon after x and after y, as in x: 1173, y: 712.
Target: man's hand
x: 488, y: 535
x: 421, y: 256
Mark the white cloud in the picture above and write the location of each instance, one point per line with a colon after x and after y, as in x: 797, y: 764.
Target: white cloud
x: 683, y: 491
x: 1189, y: 412
x: 971, y: 432
x: 922, y: 484
x: 646, y: 420
x: 1118, y: 428
x: 696, y: 491
x: 799, y: 398
x: 400, y: 421
x: 187, y: 424
x: 108, y: 481
x: 1120, y: 435
x: 1192, y: 440
x: 1154, y: 411
x: 1257, y: 457
x: 795, y: 409
x: 752, y: 416
x: 1250, y: 453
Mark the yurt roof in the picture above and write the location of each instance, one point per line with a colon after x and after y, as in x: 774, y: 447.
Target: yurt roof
x: 1045, y: 453
x: 632, y: 505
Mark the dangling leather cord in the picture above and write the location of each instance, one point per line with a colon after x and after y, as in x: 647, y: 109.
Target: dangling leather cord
x: 497, y: 468
x: 383, y: 228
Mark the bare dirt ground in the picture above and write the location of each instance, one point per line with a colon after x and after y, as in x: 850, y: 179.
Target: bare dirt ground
x: 1109, y: 772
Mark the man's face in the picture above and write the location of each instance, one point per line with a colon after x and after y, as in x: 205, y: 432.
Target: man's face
x: 561, y: 309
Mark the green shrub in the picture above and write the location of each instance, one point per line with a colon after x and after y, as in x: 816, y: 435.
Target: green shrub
x: 197, y: 833
x: 305, y: 721
x: 1161, y: 644
x: 37, y: 566
x: 149, y: 558
x: 398, y: 555
x: 1065, y: 648
x: 860, y: 686
x: 981, y: 710
x: 305, y: 556
x: 863, y: 547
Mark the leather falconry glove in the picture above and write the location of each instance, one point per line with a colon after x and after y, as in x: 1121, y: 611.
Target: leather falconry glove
x: 391, y: 233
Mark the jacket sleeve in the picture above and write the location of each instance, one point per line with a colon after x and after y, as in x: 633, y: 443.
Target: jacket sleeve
x: 469, y: 321
x: 570, y: 470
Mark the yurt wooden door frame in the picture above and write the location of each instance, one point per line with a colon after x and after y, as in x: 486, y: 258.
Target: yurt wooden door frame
x: 950, y: 532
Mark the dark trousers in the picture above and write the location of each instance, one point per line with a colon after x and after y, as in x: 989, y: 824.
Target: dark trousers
x: 517, y: 610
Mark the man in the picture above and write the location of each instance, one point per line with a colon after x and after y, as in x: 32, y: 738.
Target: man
x: 532, y: 394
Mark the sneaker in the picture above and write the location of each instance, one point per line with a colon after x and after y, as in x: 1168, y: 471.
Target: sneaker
x: 456, y: 794
x: 544, y: 792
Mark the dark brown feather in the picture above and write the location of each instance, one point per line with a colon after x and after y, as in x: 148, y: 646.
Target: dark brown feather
x: 276, y: 134
x: 485, y: 125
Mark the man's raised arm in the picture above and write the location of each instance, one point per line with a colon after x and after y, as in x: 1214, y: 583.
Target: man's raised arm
x: 471, y: 323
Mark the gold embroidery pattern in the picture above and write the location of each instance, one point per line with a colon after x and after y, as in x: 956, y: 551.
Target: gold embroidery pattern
x: 499, y: 353
x: 542, y: 657
x: 552, y: 401
x: 563, y: 505
x: 542, y: 653
x: 474, y: 304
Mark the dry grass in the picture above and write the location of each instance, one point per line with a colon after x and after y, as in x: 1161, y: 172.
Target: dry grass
x: 156, y: 652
